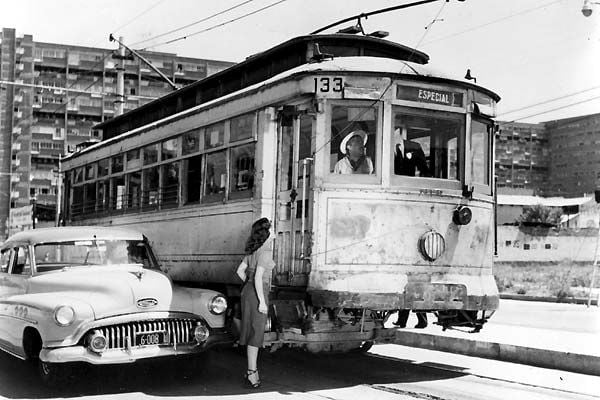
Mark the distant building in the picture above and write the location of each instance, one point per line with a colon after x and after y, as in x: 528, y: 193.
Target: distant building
x: 574, y: 155
x: 522, y: 157
x: 39, y: 120
x: 553, y: 158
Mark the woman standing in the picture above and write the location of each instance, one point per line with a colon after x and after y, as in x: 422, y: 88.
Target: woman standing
x: 255, y: 270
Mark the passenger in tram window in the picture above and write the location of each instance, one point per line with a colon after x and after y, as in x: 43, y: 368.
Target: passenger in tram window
x: 409, y: 157
x: 255, y: 270
x: 355, y: 160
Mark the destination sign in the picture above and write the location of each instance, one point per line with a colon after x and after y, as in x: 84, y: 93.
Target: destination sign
x: 423, y: 95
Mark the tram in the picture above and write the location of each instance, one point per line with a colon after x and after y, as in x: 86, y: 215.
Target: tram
x: 283, y: 135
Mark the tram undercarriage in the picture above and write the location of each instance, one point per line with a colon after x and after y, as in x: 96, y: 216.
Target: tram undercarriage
x: 321, y: 329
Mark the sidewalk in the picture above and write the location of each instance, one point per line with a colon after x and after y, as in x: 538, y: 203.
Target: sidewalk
x: 523, y: 334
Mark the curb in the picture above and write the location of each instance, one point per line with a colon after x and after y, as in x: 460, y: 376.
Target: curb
x: 567, y: 300
x: 579, y: 363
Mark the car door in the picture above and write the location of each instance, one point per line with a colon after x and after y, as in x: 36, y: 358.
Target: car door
x: 15, y: 283
x: 5, y: 308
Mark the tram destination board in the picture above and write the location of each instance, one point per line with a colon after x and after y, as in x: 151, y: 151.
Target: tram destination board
x: 434, y: 96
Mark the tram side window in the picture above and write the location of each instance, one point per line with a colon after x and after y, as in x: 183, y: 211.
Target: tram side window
x: 117, y: 195
x: 150, y: 192
x: 77, y: 201
x: 133, y: 159
x: 103, y: 187
x: 103, y: 167
x: 117, y: 164
x: 90, y: 198
x: 214, y: 136
x: 169, y: 149
x: 134, y: 184
x: 4, y: 260
x: 192, y: 171
x: 241, y: 127
x: 287, y: 157
x: 151, y: 154
x: 353, y: 140
x: 426, y: 145
x: 479, y: 154
x: 216, y: 177
x: 170, y: 185
x: 242, y: 172
x: 191, y: 142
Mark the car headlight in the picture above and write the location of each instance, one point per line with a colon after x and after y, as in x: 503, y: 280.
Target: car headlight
x: 64, y: 315
x: 217, y: 305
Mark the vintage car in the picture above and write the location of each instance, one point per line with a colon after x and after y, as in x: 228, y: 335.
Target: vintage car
x: 96, y: 295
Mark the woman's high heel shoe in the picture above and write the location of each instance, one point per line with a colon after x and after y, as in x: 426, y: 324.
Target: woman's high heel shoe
x: 252, y: 383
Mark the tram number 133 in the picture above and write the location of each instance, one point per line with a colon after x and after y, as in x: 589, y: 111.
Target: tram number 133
x: 327, y: 84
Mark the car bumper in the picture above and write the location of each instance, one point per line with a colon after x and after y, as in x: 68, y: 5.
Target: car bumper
x: 133, y: 354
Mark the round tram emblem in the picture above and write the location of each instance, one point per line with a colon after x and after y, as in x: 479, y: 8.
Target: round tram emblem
x: 432, y: 245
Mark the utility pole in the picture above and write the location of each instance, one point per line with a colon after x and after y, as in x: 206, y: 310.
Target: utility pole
x: 58, y: 191
x: 120, y: 78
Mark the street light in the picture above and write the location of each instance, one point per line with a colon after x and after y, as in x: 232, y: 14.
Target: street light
x: 586, y: 10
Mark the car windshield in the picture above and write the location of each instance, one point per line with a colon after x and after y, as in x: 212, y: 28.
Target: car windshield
x: 49, y: 256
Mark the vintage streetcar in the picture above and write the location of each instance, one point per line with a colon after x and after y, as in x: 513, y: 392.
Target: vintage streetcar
x: 402, y: 218
x: 95, y: 295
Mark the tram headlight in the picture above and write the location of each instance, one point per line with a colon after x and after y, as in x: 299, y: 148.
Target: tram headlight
x: 462, y: 215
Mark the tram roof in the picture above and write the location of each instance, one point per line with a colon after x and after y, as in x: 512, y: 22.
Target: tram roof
x: 371, y: 65
x: 258, y: 68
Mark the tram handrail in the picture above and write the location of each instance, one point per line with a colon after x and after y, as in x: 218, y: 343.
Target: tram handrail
x: 305, y: 162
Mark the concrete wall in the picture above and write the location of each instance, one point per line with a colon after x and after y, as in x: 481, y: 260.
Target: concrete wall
x: 545, y: 245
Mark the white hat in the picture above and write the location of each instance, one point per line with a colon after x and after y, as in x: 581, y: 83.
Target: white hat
x: 349, y: 136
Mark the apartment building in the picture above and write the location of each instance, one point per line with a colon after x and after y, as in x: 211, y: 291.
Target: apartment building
x: 40, y: 119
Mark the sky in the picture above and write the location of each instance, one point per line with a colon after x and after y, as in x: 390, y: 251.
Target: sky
x: 541, y: 56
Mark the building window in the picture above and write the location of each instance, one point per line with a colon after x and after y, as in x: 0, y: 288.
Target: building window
x: 526, y: 246
x: 548, y: 246
x: 508, y: 243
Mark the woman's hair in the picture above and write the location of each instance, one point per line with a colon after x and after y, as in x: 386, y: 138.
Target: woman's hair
x: 258, y: 236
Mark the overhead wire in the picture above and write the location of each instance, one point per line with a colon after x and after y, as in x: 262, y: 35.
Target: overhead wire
x: 137, y: 16
x: 216, y: 26
x: 548, y: 111
x: 492, y: 22
x: 193, y: 23
x: 548, y: 101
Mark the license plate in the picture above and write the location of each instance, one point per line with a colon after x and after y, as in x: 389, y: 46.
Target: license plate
x: 151, y: 339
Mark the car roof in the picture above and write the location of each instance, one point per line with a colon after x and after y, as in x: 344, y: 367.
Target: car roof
x: 70, y: 233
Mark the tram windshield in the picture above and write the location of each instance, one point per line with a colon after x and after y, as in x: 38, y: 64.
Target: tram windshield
x: 426, y: 144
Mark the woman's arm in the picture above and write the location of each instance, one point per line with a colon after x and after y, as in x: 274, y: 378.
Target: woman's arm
x: 258, y: 286
x: 241, y: 271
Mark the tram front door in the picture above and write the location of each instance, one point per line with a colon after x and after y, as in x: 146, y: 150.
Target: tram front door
x: 294, y: 197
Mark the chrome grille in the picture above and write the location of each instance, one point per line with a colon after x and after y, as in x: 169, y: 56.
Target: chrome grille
x: 179, y: 331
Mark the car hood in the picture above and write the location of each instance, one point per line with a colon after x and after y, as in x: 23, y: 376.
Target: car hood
x: 109, y: 290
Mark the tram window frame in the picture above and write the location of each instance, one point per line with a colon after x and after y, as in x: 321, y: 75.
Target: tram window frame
x: 241, y: 174
x: 423, y: 181
x: 209, y: 135
x: 103, y: 167
x: 220, y: 196
x: 368, y: 179
x: 479, y: 187
x: 133, y: 159
x: 192, y: 142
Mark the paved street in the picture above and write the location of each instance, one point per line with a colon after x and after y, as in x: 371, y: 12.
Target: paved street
x: 388, y: 371
x: 293, y: 375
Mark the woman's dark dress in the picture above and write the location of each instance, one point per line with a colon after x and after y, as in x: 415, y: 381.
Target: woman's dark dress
x: 253, y: 322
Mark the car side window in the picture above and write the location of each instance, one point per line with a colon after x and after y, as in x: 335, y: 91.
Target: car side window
x: 4, y: 260
x: 21, y: 264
